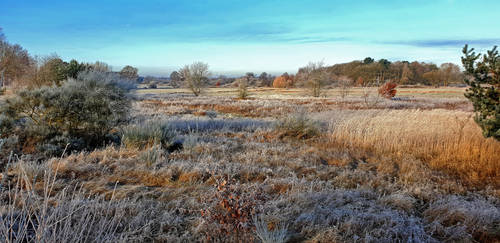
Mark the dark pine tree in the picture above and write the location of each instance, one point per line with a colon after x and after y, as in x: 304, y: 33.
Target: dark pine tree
x: 483, y: 77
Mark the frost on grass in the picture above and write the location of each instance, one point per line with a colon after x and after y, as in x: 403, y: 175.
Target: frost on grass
x: 368, y: 177
x: 455, y: 218
x: 355, y: 215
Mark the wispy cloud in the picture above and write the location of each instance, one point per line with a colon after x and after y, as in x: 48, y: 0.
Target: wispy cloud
x: 445, y: 42
x: 243, y: 33
x: 260, y: 34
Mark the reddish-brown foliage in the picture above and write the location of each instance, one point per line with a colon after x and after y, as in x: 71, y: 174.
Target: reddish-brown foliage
x: 388, y: 90
x: 284, y: 81
x: 360, y: 81
x: 279, y: 82
x: 231, y: 211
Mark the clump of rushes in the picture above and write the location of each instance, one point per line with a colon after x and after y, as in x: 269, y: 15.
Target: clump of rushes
x: 297, y: 126
x: 147, y: 135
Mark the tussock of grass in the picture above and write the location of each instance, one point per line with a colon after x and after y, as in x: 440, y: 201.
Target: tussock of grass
x: 147, y: 135
x: 456, y: 218
x: 297, y: 126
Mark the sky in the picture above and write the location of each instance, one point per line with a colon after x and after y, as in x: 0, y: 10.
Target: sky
x: 236, y: 36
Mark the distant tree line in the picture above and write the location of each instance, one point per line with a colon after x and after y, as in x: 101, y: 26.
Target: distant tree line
x: 19, y: 69
x: 375, y: 73
x: 367, y: 72
x: 316, y: 75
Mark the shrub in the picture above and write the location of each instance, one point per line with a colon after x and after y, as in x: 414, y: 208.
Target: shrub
x: 79, y: 114
x: 316, y: 77
x: 147, y: 135
x: 275, y: 234
x: 152, y: 86
x: 297, y: 126
x: 388, y: 90
x: 243, y: 89
x: 345, y: 84
x: 151, y: 155
x: 370, y: 98
x: 230, y: 211
x: 107, y: 78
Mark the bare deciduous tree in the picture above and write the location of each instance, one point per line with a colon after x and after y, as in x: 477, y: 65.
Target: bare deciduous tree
x: 316, y: 77
x: 243, y: 87
x: 344, y: 84
x: 370, y: 97
x: 3, y: 46
x: 100, y: 67
x: 195, y: 76
x: 15, y: 62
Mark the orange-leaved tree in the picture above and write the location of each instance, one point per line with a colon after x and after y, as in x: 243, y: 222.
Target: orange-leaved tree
x: 283, y: 81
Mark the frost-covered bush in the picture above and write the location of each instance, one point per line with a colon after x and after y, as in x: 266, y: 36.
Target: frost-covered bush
x: 210, y: 125
x: 147, y: 135
x: 297, y: 126
x: 277, y: 234
x: 79, y: 114
x: 108, y: 78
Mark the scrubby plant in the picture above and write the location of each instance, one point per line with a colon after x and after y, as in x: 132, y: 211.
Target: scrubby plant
x: 297, y: 126
x: 370, y: 98
x: 81, y: 113
x: 230, y: 212
x: 147, y: 135
x: 316, y: 77
x: 388, y: 90
x: 483, y: 77
x: 243, y: 88
x: 455, y: 218
x: 151, y: 155
x: 107, y: 78
x: 345, y: 84
x: 274, y: 234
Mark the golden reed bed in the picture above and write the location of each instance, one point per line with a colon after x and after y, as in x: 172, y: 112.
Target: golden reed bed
x: 446, y: 140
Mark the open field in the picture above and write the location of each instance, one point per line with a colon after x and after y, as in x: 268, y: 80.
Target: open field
x: 332, y: 169
x: 442, y: 92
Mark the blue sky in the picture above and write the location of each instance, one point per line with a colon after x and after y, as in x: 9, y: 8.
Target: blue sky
x: 238, y: 36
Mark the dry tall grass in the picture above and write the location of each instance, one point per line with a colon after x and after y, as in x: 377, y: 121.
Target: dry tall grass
x: 448, y: 140
x: 367, y: 179
x: 35, y: 212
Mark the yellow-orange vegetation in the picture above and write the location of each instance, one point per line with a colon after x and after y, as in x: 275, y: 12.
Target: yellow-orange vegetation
x: 445, y: 140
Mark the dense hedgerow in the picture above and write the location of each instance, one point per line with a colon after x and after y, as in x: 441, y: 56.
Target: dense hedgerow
x: 79, y: 114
